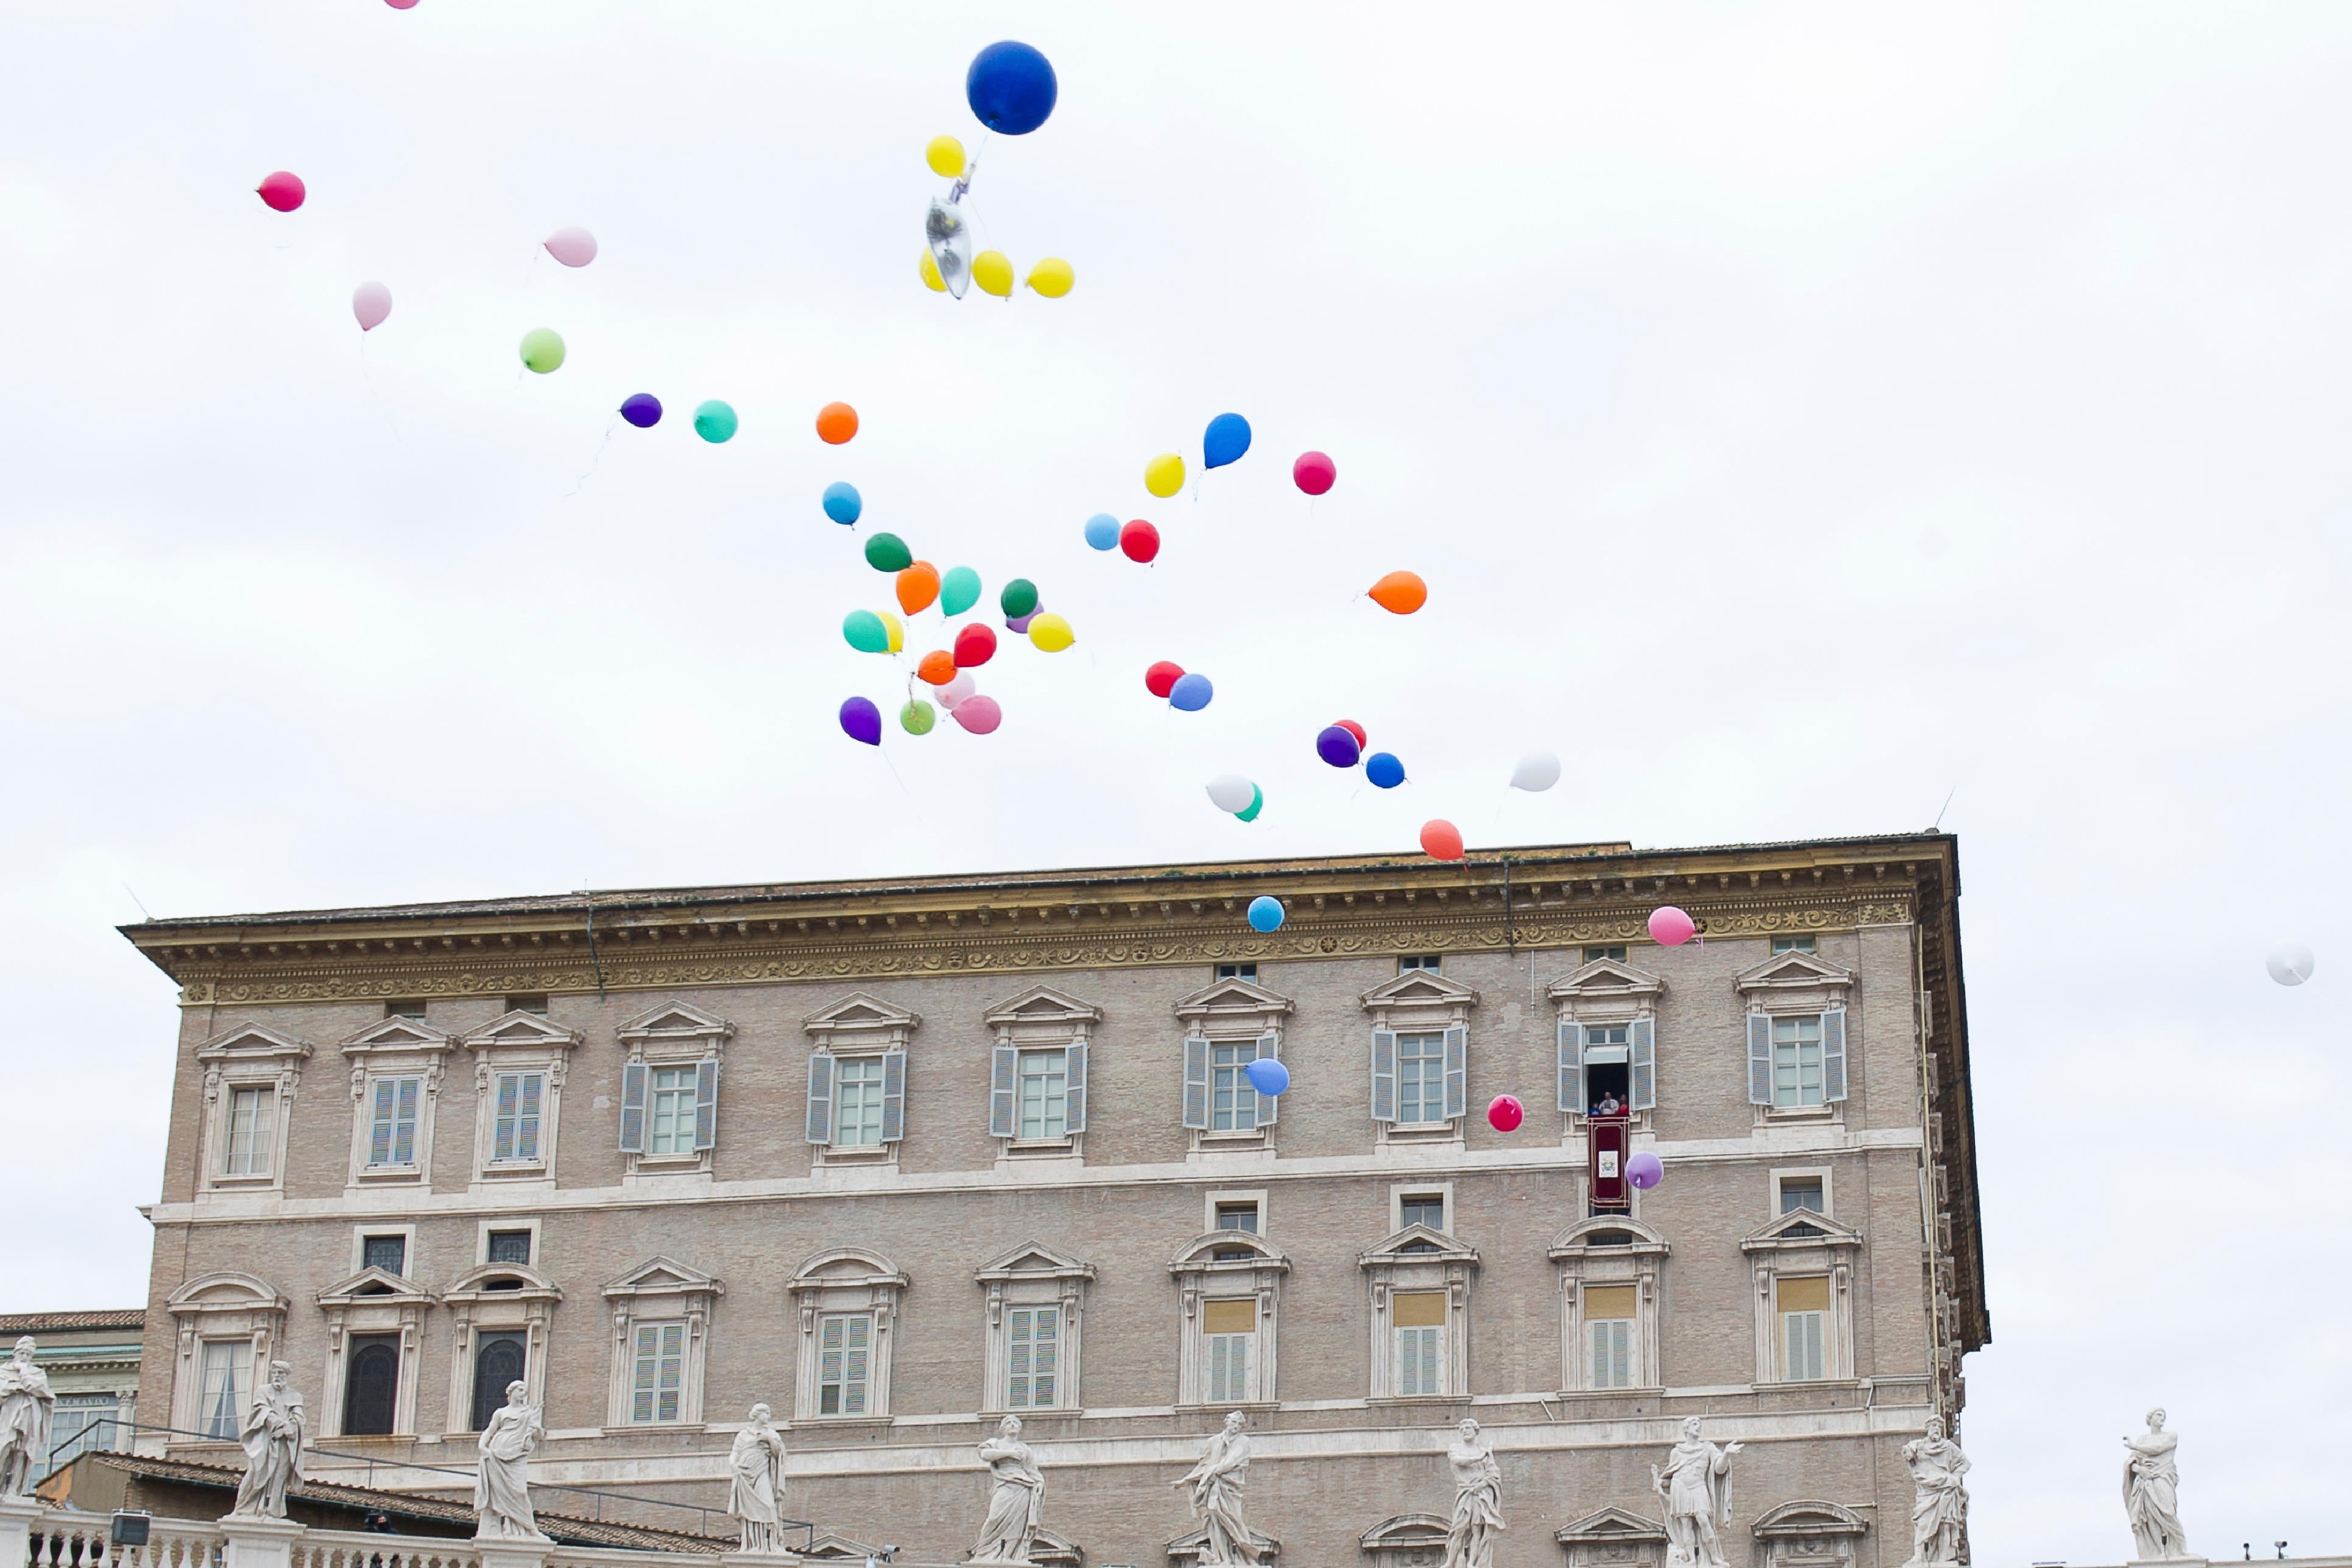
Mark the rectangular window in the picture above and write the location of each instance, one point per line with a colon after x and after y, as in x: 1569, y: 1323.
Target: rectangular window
x: 1042, y: 1090
x: 1412, y: 961
x: 515, y: 1132
x: 528, y: 1004
x: 1232, y: 1329
x: 83, y: 1422
x: 660, y: 1372
x: 1422, y: 1208
x: 1796, y: 1061
x: 1237, y: 1216
x: 1420, y: 1319
x: 1593, y: 954
x: 857, y: 1103
x: 1032, y: 1347
x: 392, y: 1121
x: 510, y: 1247
x: 389, y: 1253
x: 1233, y: 1106
x: 220, y: 1398
x: 1247, y: 972
x: 1608, y: 1334
x: 405, y: 1007
x: 1801, y: 1193
x: 844, y: 1346
x: 1792, y: 945
x: 670, y: 1124
x: 252, y: 1122
x: 1421, y: 1078
x: 1804, y: 1311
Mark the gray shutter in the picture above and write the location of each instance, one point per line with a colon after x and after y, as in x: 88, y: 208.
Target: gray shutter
x: 1642, y: 1040
x: 1571, y: 1069
x: 1196, y: 1083
x: 1005, y: 1071
x: 1385, y: 1075
x: 820, y: 1104
x: 1074, y: 1087
x: 894, y: 1096
x: 1760, y: 1058
x: 706, y: 1102
x: 379, y: 1128
x: 1833, y: 1055
x: 633, y: 1107
x: 1269, y: 1106
x: 1457, y: 1071
x: 404, y: 1147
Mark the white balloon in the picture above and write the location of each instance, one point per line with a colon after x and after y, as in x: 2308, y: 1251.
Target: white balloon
x: 1231, y: 792
x: 371, y: 304
x: 571, y: 245
x: 1537, y: 771
x: 2290, y: 965
x: 952, y: 694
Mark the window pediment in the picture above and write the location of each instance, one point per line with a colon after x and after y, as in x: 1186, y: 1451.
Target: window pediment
x: 1247, y: 1007
x: 1580, y: 1240
x: 1792, y: 972
x: 521, y: 1031
x: 1807, y: 1517
x: 1608, y: 980
x: 841, y: 1267
x: 1200, y: 1255
x: 1050, y: 1549
x: 404, y: 1037
x: 1194, y: 1545
x: 254, y: 1043
x: 861, y: 1022
x: 663, y: 1277
x: 675, y: 1028
x: 502, y: 1282
x: 376, y: 1288
x: 1043, y: 1005
x: 1801, y: 1229
x: 1406, y: 1532
x: 226, y: 1290
x: 1419, y: 997
x: 831, y: 1548
x: 1611, y: 1524
x: 1034, y: 1261
x: 1417, y: 1244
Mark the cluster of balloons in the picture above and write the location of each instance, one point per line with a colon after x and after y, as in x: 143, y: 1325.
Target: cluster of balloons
x: 1012, y: 90
x: 1342, y: 745
x: 1236, y: 796
x: 1186, y: 691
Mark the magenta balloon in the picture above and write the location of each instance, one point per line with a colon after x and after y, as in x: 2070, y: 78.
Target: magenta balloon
x: 371, y: 304
x: 1644, y: 1170
x: 980, y: 715
x: 1314, y: 473
x: 1669, y: 927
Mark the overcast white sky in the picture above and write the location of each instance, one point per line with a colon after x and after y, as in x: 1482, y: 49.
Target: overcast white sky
x: 1797, y: 413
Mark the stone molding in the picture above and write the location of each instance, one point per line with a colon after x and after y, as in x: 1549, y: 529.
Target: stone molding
x: 373, y: 1301
x: 1034, y: 1275
x: 660, y: 1289
x: 226, y: 1304
x: 1636, y: 1263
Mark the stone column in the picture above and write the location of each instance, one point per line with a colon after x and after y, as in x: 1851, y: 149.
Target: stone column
x: 258, y: 1542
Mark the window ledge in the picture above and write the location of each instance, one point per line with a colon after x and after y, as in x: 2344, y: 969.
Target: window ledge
x: 1784, y: 1385
x: 1254, y: 1135
x: 513, y: 1171
x: 1200, y: 1407
x: 672, y: 1162
x: 1385, y: 1400
x: 390, y: 1176
x: 242, y: 1183
x: 855, y: 1154
x: 1645, y: 1391
x: 1049, y: 1413
x: 634, y: 1427
x: 814, y: 1423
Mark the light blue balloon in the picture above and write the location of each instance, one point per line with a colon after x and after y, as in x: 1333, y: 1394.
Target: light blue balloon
x: 1190, y: 695
x: 1384, y: 769
x: 843, y: 503
x: 1266, y: 913
x: 1227, y: 437
x: 1267, y: 1076
x: 1102, y: 531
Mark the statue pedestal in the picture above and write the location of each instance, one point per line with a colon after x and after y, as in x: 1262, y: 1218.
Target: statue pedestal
x: 760, y: 1559
x: 993, y: 1562
x: 18, y: 1517
x: 2168, y: 1562
x: 258, y: 1542
x: 509, y: 1552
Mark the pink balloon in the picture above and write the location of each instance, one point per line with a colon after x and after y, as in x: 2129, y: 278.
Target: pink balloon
x: 1506, y: 1113
x: 1314, y: 473
x: 571, y: 245
x: 370, y: 302
x: 1669, y: 927
x: 980, y: 715
x: 958, y: 691
x: 402, y: 4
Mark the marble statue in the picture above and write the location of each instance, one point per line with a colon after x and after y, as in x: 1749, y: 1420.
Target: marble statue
x: 273, y: 1436
x: 1695, y: 1487
x: 1215, y: 1486
x: 755, y: 1491
x: 27, y: 1411
x: 1016, y: 1497
x: 2152, y: 1492
x: 1939, y: 1506
x: 1477, y: 1502
x: 502, y: 1485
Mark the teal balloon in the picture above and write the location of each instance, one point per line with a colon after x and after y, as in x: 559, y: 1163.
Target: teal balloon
x: 959, y: 590
x: 1257, y: 804
x: 863, y: 630
x: 715, y: 422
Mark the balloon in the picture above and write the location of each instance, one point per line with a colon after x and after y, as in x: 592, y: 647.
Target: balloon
x: 1231, y: 792
x: 980, y: 715
x: 1314, y: 473
x: 1020, y: 624
x: 1161, y: 680
x: 1400, y: 593
x: 571, y: 245
x: 1228, y: 436
x: 889, y: 553
x: 1356, y: 730
x: 642, y: 409
x: 1102, y: 531
x: 1267, y: 1076
x: 1010, y: 88
x: 835, y: 424
x: 1138, y: 541
x: 281, y: 192
x: 897, y: 628
x: 1257, y: 804
x: 843, y: 503
x: 402, y: 4
x: 1018, y: 598
x: 1383, y: 770
x: 1643, y: 1170
x: 993, y: 271
x: 1537, y: 771
x: 1669, y: 927
x: 917, y: 717
x: 1266, y: 913
x: 2290, y: 965
x: 1506, y: 1113
x: 931, y: 279
x: 1441, y: 840
x: 1336, y: 746
x: 1052, y: 632
x: 542, y: 351
x: 949, y: 239
x: 371, y: 304
x: 974, y: 645
x: 919, y: 587
x: 959, y: 590
x: 861, y: 721
x: 714, y: 421
x: 1164, y: 474
x: 863, y: 630
x: 938, y: 667
x: 1053, y: 278
x: 958, y: 691
x: 1190, y: 693
x: 945, y: 155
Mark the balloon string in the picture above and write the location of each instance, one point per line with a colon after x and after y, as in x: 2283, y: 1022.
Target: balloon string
x: 530, y: 268
x: 579, y: 483
x: 894, y: 775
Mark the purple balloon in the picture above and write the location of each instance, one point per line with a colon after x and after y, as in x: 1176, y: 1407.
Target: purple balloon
x: 861, y: 721
x: 1338, y: 747
x: 1021, y: 624
x: 1644, y: 1170
x: 642, y: 409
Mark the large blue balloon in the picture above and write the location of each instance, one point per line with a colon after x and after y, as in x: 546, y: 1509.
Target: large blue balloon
x: 1102, y: 531
x: 1267, y: 1076
x: 1010, y: 88
x: 1227, y: 439
x: 1384, y: 769
x: 843, y: 503
x: 1190, y: 693
x: 1266, y: 913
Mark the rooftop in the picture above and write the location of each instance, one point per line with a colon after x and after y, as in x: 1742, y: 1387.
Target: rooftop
x: 70, y: 1322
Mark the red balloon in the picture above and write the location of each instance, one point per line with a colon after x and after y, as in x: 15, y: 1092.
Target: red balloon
x: 1162, y: 678
x: 1506, y: 1114
x: 1441, y: 840
x: 1314, y: 473
x: 281, y: 192
x: 1139, y: 540
x: 1353, y: 728
x: 974, y: 645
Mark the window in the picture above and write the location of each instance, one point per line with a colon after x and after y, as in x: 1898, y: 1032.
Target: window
x: 392, y: 1121
x: 251, y: 1122
x: 389, y: 1253
x: 660, y: 1372
x: 220, y: 1411
x: 1594, y: 955
x: 1804, y: 1306
x: 1801, y: 1193
x: 857, y: 1103
x: 500, y: 1359
x: 1796, y: 1062
x: 510, y: 1247
x: 845, y: 1343
x: 1412, y: 961
x: 515, y: 1133
x: 1043, y: 1095
x: 1608, y: 1334
x: 371, y: 1385
x: 1420, y: 1077
x: 1232, y: 1329
x: 1032, y: 1352
x: 1234, y: 1102
x: 1422, y: 1208
x: 405, y: 1007
x: 1242, y: 972
x: 1237, y: 1216
x: 1420, y: 1319
x: 83, y: 1422
x: 1792, y: 945
x: 537, y: 1004
x: 671, y: 1126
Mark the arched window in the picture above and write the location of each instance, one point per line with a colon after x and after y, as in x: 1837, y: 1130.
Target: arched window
x: 498, y: 1361
x: 370, y: 1385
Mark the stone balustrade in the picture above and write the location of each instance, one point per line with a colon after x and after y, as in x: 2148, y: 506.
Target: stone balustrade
x: 34, y: 1535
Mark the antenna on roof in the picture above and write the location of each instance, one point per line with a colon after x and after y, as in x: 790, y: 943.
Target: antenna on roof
x: 1943, y: 808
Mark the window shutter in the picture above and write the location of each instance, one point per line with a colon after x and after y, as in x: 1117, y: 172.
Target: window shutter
x: 1760, y: 1059
x: 1457, y: 1071
x: 706, y: 1102
x: 820, y: 1102
x: 1641, y: 1040
x: 1269, y: 1106
x: 1003, y: 1077
x: 404, y: 1143
x: 1385, y: 1075
x: 1833, y: 1054
x: 633, y: 1107
x: 1074, y: 1087
x: 1196, y: 1082
x: 1571, y: 1069
x: 380, y: 1130
x: 894, y: 1096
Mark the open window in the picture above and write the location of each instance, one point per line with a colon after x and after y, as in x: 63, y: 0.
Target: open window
x: 1037, y: 1073
x: 1228, y: 1026
x: 857, y: 1081
x: 669, y: 1088
x: 1419, y: 1056
x: 396, y: 1069
x: 374, y: 1347
x: 503, y: 1313
x: 1797, y: 1053
x: 1608, y: 1014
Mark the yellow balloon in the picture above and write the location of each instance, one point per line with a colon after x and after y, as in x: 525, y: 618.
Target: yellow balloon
x: 931, y: 279
x: 1164, y: 474
x: 898, y: 630
x: 945, y: 155
x: 1051, y: 633
x: 1051, y: 277
x: 993, y: 271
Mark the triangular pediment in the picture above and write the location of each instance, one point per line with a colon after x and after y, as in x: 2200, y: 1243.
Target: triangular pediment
x: 1418, y: 1244
x: 1803, y: 1228
x: 832, y: 1548
x: 1421, y: 988
x: 1193, y: 1543
x: 1241, y: 998
x: 857, y: 1011
x: 397, y: 1033
x: 372, y: 1287
x: 251, y: 1040
x: 1608, y: 977
x: 1792, y: 970
x: 1044, y: 1004
x: 677, y: 1020
x: 1034, y: 1260
x: 663, y: 1277
x: 519, y: 1029
x: 1611, y: 1524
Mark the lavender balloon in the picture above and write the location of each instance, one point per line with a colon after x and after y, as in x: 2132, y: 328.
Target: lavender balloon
x: 1644, y: 1170
x: 861, y: 721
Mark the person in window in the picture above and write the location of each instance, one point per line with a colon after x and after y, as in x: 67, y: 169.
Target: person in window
x: 1609, y: 1105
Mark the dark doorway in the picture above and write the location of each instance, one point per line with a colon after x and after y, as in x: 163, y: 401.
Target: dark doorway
x: 370, y: 1382
x: 498, y: 1361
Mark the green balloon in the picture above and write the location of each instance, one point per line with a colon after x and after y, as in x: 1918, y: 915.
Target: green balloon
x: 1019, y: 598
x: 542, y: 351
x: 889, y: 553
x: 959, y: 590
x: 863, y: 630
x: 715, y: 422
x: 1257, y: 803
x: 917, y: 717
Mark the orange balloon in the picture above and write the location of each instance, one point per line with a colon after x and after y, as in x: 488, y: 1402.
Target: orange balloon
x: 1400, y: 593
x: 1441, y: 840
x: 918, y: 585
x: 835, y: 423
x: 938, y: 667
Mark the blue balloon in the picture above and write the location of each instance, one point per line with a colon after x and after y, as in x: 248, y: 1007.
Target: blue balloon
x: 1010, y: 88
x: 1266, y: 913
x: 1384, y: 769
x: 1267, y: 1076
x: 1338, y: 747
x: 1102, y: 531
x: 843, y: 503
x: 1227, y: 439
x: 1190, y: 693
x: 642, y: 409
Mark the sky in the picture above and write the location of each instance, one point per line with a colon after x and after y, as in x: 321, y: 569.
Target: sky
x: 1807, y: 420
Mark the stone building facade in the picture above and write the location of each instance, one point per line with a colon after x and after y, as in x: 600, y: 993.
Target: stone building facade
x: 900, y: 1157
